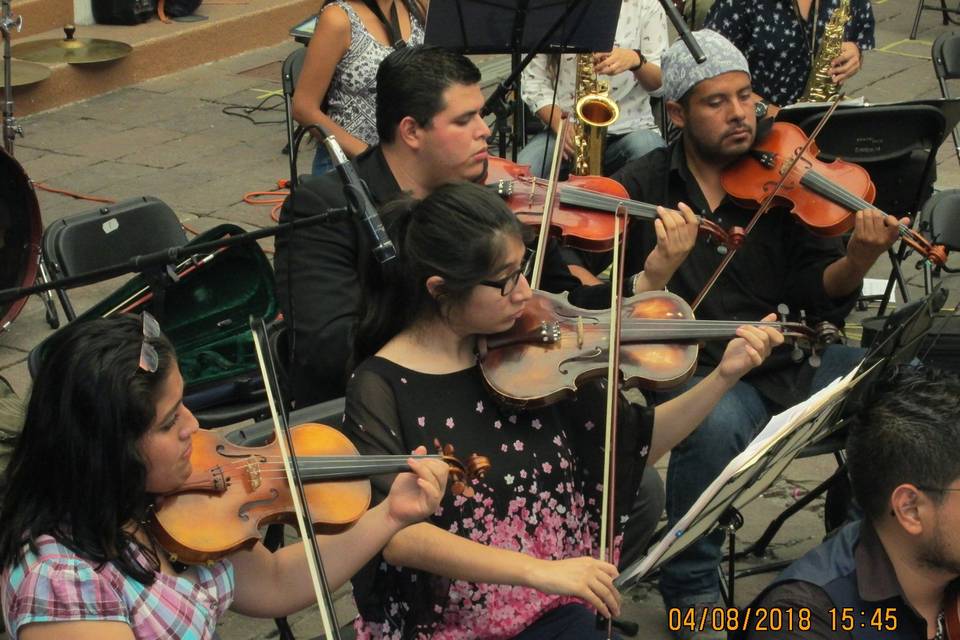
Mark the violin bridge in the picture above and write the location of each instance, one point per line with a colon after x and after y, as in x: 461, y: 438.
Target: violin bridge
x: 252, y: 470
x: 579, y: 332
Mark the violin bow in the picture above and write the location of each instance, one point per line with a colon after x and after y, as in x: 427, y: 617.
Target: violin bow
x: 281, y: 426
x: 548, y: 203
x: 608, y: 514
x: 767, y: 202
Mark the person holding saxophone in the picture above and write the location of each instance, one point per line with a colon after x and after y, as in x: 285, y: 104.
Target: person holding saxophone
x: 815, y: 42
x: 632, y: 72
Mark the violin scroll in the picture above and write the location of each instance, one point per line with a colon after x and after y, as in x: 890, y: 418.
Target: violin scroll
x: 462, y: 473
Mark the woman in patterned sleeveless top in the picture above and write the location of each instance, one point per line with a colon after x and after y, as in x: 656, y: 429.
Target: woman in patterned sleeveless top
x: 338, y: 85
x: 102, y: 439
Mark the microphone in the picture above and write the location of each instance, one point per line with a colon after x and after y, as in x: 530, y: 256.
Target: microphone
x: 359, y: 199
x: 683, y: 30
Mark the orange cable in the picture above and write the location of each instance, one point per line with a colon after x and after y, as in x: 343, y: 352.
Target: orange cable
x: 72, y: 194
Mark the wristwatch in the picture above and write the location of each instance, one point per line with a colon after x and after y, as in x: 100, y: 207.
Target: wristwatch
x: 760, y: 109
x: 642, y: 62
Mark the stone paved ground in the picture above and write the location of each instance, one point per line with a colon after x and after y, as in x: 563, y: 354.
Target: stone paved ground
x: 170, y: 138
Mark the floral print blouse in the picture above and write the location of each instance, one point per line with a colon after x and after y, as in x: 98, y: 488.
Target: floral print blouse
x: 776, y: 41
x: 540, y: 497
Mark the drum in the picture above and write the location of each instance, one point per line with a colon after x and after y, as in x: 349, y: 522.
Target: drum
x: 20, y: 231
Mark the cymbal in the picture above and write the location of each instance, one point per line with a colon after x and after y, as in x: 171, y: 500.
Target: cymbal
x: 24, y: 73
x: 70, y: 49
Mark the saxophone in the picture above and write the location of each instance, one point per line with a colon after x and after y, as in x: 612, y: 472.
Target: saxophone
x: 594, y: 111
x: 820, y: 87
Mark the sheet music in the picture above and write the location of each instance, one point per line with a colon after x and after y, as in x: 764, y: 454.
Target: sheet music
x: 778, y: 428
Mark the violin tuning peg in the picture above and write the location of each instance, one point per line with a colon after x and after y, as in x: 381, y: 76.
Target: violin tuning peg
x: 722, y: 250
x: 458, y: 487
x: 797, y: 354
x: 783, y: 311
x: 814, y: 360
x: 468, y: 492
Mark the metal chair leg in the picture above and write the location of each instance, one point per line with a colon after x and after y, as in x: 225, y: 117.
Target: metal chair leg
x: 53, y: 318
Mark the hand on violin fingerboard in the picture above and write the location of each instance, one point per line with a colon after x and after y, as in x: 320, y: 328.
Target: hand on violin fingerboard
x: 415, y: 496
x: 749, y: 349
x: 873, y: 233
x: 676, y: 235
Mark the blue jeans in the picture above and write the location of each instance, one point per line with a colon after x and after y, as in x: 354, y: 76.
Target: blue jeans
x: 691, y: 576
x: 568, y: 622
x: 619, y: 150
x: 321, y: 162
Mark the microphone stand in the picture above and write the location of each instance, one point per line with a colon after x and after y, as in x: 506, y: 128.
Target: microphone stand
x: 683, y: 30
x: 497, y: 102
x: 159, y: 259
x: 10, y: 128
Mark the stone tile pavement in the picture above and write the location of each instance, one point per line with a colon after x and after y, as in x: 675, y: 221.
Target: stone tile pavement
x: 170, y: 138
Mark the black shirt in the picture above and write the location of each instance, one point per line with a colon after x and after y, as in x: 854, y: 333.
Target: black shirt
x: 780, y: 262
x: 319, y: 284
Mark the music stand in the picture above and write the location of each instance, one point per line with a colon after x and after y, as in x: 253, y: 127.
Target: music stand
x: 745, y: 477
x: 517, y: 26
x: 898, y: 340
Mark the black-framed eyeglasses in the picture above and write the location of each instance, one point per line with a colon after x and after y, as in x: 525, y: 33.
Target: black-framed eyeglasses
x: 149, y: 359
x: 509, y: 283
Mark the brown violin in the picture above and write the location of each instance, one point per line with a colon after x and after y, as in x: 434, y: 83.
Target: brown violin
x: 234, y: 490
x: 582, y: 218
x: 823, y: 195
x: 554, y: 346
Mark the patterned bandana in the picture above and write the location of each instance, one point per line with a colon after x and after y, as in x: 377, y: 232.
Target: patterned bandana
x: 681, y: 72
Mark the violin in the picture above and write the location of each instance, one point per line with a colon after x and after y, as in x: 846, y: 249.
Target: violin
x: 555, y: 346
x: 582, y: 220
x: 823, y: 195
x: 234, y: 490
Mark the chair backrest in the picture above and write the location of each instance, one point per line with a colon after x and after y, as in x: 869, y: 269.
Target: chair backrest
x: 946, y: 56
x: 896, y: 144
x: 940, y: 218
x: 290, y: 71
x: 110, y: 235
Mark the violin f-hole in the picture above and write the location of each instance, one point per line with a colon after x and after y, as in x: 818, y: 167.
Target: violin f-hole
x: 253, y: 504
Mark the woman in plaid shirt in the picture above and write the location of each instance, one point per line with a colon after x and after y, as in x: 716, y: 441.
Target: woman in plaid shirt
x: 103, y: 437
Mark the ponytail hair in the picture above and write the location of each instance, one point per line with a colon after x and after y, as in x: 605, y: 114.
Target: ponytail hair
x: 458, y: 232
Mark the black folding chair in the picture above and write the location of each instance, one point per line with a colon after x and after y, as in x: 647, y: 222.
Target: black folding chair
x: 107, y: 236
x: 897, y: 145
x: 289, y: 74
x: 942, y: 8
x: 945, y: 54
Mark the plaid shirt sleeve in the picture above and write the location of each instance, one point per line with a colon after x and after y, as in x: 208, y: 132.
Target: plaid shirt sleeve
x: 58, y: 588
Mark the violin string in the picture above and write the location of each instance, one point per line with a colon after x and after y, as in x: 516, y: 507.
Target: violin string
x: 847, y: 199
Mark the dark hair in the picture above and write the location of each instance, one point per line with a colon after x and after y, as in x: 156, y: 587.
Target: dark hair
x: 909, y: 433
x: 411, y: 82
x: 76, y: 472
x: 415, y: 7
x: 457, y: 233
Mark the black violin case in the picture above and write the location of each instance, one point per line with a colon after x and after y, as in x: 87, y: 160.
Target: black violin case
x: 206, y: 314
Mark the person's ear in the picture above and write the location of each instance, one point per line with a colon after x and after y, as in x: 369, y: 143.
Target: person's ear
x: 435, y: 286
x: 410, y: 132
x: 911, y: 508
x: 675, y: 113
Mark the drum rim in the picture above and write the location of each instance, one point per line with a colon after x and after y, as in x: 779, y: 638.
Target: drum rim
x: 27, y: 274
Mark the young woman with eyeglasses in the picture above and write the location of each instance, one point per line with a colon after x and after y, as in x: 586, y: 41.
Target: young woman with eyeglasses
x: 105, y: 435
x: 511, y: 554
